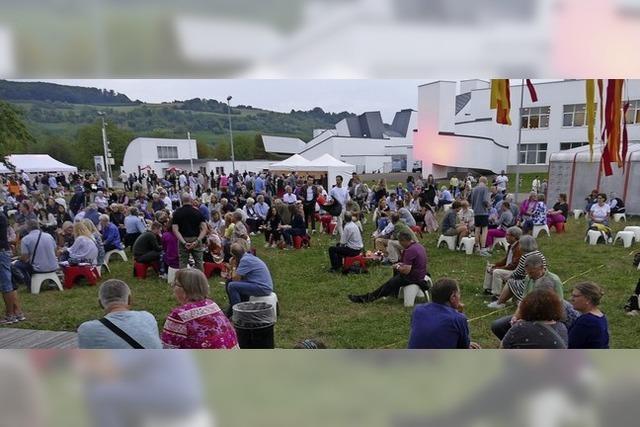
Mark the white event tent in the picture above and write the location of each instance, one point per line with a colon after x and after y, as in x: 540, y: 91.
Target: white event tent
x: 4, y: 169
x: 34, y: 163
x: 294, y: 163
x: 333, y: 167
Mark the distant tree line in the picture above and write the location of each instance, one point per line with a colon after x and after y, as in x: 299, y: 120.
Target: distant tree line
x: 39, y: 91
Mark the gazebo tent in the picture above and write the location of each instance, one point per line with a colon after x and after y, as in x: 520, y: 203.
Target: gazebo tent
x: 34, y: 163
x: 4, y: 169
x: 572, y: 172
x: 294, y: 163
x: 333, y: 167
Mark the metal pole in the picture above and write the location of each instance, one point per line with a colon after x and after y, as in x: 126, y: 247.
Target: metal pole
x: 519, y: 140
x: 105, y: 145
x: 233, y: 157
x: 190, y: 151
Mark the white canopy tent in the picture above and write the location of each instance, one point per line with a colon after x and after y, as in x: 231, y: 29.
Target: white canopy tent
x: 333, y: 167
x: 4, y: 169
x: 33, y: 163
x: 294, y: 163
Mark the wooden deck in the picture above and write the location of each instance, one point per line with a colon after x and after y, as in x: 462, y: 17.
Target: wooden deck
x: 29, y: 338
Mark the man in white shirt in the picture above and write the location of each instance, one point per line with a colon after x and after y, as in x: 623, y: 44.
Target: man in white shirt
x: 289, y: 198
x: 182, y: 180
x: 340, y: 195
x: 167, y: 200
x: 350, y: 244
x: 535, y: 185
x: 501, y: 182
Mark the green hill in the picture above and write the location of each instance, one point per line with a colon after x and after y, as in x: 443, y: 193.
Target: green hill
x: 59, y: 116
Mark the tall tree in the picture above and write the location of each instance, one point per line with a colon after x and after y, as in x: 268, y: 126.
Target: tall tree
x: 14, y: 135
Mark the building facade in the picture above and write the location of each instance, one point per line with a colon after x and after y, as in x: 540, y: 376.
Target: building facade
x: 157, y: 153
x: 460, y: 131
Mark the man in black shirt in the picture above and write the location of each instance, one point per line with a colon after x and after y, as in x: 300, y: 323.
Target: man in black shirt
x: 190, y: 228
x: 13, y: 313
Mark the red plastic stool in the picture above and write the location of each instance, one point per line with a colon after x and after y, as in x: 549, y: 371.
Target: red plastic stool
x: 351, y: 260
x: 417, y: 229
x: 212, y: 267
x: 559, y: 227
x: 297, y: 242
x: 140, y: 269
x: 73, y: 272
x: 325, y: 220
x: 331, y: 228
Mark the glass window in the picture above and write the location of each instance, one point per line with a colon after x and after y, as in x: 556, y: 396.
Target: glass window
x: 535, y: 117
x: 633, y: 113
x: 570, y: 145
x: 167, y: 152
x: 574, y: 115
x: 532, y: 154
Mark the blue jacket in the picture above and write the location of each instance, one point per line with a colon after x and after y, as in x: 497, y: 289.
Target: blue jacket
x: 111, y: 235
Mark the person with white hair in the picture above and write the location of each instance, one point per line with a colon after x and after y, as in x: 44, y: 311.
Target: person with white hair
x: 101, y: 201
x: 110, y: 234
x: 121, y: 327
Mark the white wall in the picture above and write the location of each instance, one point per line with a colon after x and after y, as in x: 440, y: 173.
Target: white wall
x: 144, y: 151
x: 241, y: 165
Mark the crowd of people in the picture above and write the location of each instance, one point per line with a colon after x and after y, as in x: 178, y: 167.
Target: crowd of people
x: 182, y: 220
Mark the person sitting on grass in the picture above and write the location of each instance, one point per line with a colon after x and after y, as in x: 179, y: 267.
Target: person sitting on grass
x: 441, y: 324
x: 502, y: 224
x: 110, y: 234
x: 591, y: 329
x: 120, y: 328
x: 350, y: 244
x: 599, y: 212
x: 249, y: 276
x: 515, y: 282
x: 450, y: 226
x: 538, y: 322
x: 537, y: 276
x: 147, y: 249
x: 412, y: 269
x: 496, y: 274
x: 198, y: 323
x: 297, y: 227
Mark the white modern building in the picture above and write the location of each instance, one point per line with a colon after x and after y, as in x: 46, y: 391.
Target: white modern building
x: 157, y: 153
x: 457, y: 129
x: 364, y: 141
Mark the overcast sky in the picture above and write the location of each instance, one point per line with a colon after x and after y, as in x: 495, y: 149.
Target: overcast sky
x: 357, y: 96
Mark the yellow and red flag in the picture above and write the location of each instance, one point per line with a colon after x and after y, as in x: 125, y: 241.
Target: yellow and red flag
x: 501, y: 100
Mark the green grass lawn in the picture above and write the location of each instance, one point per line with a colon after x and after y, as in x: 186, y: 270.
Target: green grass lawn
x: 314, y: 304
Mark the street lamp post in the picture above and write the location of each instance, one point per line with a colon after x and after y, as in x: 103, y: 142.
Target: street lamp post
x: 105, y: 145
x: 233, y: 157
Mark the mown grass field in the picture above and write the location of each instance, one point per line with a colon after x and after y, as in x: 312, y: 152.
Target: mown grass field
x: 314, y: 303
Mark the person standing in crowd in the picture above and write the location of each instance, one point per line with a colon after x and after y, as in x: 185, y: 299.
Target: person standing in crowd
x: 121, y: 327
x: 441, y: 324
x: 12, y: 310
x: 480, y: 203
x: 309, y: 194
x: 502, y: 181
x: 340, y: 195
x: 190, y: 228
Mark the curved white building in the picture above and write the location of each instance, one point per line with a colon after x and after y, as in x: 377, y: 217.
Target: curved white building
x: 157, y: 153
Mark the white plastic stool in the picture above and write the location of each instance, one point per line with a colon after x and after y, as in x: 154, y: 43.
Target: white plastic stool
x: 171, y: 274
x: 538, y: 228
x: 199, y: 418
x: 593, y: 236
x: 119, y: 252
x: 617, y: 217
x: 271, y: 299
x: 467, y: 244
x: 38, y: 279
x: 636, y: 231
x: 451, y: 241
x: 446, y: 207
x: 577, y: 213
x: 626, y: 237
x: 11, y: 212
x: 410, y: 292
x: 501, y: 241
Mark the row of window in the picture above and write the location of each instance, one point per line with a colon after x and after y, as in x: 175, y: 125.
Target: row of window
x: 573, y: 115
x: 532, y: 154
x: 165, y: 152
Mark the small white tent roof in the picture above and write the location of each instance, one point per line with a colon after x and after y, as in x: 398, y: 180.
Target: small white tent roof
x: 4, y: 169
x: 295, y: 162
x: 328, y: 160
x: 38, y: 163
